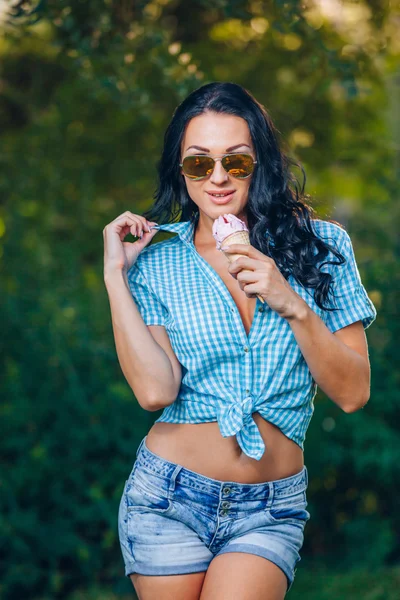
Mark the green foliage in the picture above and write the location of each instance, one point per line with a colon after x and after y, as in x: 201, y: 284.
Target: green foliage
x: 316, y: 583
x: 87, y: 91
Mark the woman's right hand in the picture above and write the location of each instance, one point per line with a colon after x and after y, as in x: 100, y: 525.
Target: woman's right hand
x: 119, y: 256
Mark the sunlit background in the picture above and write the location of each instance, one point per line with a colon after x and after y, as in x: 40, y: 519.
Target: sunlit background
x: 86, y: 92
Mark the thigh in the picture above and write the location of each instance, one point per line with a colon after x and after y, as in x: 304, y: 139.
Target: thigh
x: 168, y: 587
x: 243, y: 576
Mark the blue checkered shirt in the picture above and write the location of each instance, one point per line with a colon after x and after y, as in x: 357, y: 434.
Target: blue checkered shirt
x: 226, y: 374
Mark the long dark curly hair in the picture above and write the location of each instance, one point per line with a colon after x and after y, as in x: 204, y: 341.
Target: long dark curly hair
x: 276, y: 203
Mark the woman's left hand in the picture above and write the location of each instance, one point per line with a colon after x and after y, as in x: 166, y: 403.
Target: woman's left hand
x: 258, y: 274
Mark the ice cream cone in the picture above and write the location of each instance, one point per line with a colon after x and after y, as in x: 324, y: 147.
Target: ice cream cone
x: 239, y: 237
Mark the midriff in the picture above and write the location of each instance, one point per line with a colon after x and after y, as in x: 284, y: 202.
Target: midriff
x: 200, y: 447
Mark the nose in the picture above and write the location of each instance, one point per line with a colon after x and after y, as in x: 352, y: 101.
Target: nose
x: 218, y: 175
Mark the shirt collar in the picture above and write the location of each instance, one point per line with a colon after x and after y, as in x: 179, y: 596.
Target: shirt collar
x: 184, y: 229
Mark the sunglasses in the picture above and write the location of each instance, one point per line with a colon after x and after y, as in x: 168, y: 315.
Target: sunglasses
x: 200, y: 166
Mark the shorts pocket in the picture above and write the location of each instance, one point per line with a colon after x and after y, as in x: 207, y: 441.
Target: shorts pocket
x: 290, y: 509
x: 148, y: 491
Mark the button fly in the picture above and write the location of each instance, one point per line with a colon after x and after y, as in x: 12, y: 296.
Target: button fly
x: 226, y: 490
x: 226, y: 504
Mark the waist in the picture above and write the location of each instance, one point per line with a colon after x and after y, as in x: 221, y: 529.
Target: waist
x: 201, y: 448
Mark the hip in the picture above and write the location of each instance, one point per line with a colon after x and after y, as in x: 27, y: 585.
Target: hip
x: 173, y: 520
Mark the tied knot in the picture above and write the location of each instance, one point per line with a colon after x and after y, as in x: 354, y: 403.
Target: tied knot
x: 235, y: 418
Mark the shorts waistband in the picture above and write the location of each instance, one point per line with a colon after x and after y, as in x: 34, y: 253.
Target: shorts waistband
x: 286, y: 486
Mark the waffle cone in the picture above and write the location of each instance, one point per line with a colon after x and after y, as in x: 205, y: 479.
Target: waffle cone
x: 239, y: 237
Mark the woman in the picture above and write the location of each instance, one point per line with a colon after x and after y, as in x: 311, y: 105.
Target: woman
x: 215, y: 505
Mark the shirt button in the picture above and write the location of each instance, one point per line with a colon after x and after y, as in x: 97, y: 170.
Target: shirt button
x: 247, y: 391
x: 261, y: 309
x: 246, y: 349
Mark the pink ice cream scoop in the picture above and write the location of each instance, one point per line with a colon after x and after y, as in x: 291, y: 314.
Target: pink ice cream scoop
x: 225, y: 226
x: 228, y: 230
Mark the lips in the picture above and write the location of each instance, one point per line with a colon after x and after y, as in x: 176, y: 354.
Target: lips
x: 217, y: 192
x: 224, y: 199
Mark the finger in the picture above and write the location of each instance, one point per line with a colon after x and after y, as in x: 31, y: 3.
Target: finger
x: 125, y: 215
x: 246, y: 276
x: 136, y: 224
x: 119, y: 223
x: 125, y: 224
x: 238, y: 248
x: 131, y: 219
x: 124, y: 220
x: 135, y: 230
x: 134, y: 227
x: 246, y: 249
x: 150, y: 233
x: 251, y: 289
x: 144, y: 222
x: 243, y: 262
x: 140, y: 229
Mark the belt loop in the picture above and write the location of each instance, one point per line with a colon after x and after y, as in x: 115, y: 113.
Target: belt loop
x: 140, y: 446
x: 270, y: 494
x: 171, y: 487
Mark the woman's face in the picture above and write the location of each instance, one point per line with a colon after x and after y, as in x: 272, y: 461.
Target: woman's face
x: 218, y: 134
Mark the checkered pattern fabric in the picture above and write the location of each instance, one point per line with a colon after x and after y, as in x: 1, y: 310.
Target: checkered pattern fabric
x: 226, y: 374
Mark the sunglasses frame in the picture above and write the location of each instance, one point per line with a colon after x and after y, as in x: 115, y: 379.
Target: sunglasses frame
x: 215, y: 158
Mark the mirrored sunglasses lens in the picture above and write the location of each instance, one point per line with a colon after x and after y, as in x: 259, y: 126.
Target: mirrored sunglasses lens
x: 238, y: 165
x: 197, y: 166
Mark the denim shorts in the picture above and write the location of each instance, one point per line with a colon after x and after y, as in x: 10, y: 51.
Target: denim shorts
x: 173, y: 520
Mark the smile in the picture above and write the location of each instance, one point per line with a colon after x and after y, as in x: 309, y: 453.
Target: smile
x: 221, y: 197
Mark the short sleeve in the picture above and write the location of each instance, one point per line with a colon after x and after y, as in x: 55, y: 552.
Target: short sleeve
x: 152, y: 310
x: 350, y: 296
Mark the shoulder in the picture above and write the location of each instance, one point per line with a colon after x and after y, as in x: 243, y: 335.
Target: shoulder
x: 331, y: 232
x: 334, y: 234
x: 158, y: 255
x: 157, y: 262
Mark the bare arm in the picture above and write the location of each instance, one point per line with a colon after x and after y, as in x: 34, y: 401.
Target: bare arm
x: 144, y: 352
x: 338, y: 361
x: 147, y: 367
